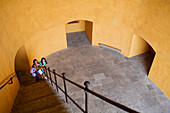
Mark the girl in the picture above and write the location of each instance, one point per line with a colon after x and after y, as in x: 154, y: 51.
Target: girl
x: 34, y: 70
x: 43, y: 63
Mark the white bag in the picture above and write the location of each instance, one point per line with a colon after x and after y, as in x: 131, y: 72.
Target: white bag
x: 33, y: 72
x: 40, y: 72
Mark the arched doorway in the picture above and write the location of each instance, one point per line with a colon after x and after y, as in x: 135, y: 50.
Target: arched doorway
x: 79, y: 33
x: 21, y: 64
x: 21, y: 60
x: 142, y: 52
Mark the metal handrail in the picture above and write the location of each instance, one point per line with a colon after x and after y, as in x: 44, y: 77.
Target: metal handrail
x: 86, y: 83
x: 68, y: 96
x: 9, y: 81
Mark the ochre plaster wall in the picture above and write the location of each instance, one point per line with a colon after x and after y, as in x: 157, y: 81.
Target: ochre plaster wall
x: 7, y: 95
x: 89, y: 30
x: 75, y: 27
x: 7, y: 56
x: 46, y: 42
x: 138, y: 46
x: 39, y: 25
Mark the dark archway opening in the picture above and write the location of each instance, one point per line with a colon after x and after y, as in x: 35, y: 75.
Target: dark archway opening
x: 21, y: 63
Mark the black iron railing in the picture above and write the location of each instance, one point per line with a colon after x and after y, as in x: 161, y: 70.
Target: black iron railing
x: 10, y: 81
x: 86, y: 90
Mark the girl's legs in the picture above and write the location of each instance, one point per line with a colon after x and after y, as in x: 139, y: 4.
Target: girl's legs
x: 43, y: 72
x: 37, y: 77
x: 40, y: 73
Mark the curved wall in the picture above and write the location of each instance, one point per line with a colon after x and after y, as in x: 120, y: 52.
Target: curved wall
x: 39, y: 25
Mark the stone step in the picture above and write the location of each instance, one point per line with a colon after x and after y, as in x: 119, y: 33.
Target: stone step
x: 26, y: 78
x: 39, y: 104
x: 39, y: 84
x: 56, y: 109
x: 37, y: 97
x: 33, y: 88
x: 25, y: 99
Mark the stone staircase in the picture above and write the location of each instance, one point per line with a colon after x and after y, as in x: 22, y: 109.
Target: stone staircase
x: 36, y: 97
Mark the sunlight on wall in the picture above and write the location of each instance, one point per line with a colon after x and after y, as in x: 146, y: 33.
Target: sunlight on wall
x: 138, y: 46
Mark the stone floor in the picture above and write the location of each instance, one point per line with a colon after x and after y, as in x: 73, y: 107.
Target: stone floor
x: 77, y: 39
x: 37, y: 97
x: 112, y: 75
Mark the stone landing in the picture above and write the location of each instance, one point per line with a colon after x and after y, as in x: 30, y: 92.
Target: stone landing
x: 111, y: 74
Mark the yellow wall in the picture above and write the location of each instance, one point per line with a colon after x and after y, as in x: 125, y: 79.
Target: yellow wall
x: 89, y: 30
x: 138, y: 46
x: 7, y: 95
x: 75, y: 27
x: 46, y: 42
x: 39, y: 25
x: 8, y: 50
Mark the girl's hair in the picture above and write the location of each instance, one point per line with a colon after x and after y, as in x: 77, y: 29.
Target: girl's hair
x: 34, y: 62
x: 43, y: 59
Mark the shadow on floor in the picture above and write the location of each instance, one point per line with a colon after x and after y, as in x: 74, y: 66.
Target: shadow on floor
x: 145, y: 60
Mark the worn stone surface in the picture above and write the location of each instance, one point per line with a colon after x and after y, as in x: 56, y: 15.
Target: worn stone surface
x: 37, y: 97
x: 77, y: 39
x: 112, y: 75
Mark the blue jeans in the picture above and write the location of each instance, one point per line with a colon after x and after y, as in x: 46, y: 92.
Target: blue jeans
x: 42, y: 71
x: 37, y: 76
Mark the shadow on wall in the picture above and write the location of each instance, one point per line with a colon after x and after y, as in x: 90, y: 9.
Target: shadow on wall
x: 21, y: 60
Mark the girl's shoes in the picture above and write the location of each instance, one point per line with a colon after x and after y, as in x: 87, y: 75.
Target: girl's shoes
x: 45, y: 78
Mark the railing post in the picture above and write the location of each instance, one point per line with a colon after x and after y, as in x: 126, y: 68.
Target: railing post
x: 86, y: 83
x: 50, y: 75
x: 65, y: 88
x: 55, y: 79
x: 46, y: 73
